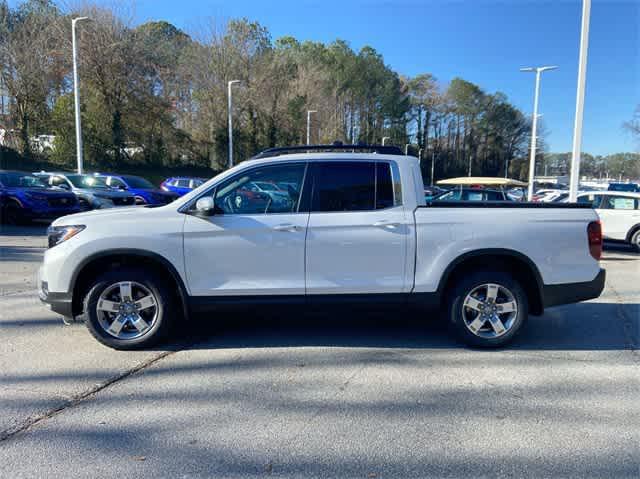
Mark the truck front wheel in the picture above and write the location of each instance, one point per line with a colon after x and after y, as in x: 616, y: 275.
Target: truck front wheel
x: 487, y: 309
x: 129, y: 309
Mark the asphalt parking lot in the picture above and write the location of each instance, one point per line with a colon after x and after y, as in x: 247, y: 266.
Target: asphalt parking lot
x: 371, y: 396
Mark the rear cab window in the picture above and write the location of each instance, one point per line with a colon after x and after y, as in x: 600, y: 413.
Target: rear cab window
x: 343, y: 186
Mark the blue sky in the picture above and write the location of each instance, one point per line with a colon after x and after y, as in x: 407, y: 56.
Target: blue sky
x: 482, y: 41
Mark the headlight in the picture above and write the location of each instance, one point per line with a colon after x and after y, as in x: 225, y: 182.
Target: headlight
x: 59, y: 234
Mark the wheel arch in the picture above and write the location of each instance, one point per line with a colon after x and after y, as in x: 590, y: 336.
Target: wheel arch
x: 633, y: 230
x: 510, y: 261
x: 109, y: 259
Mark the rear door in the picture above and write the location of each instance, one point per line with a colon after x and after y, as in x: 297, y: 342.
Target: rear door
x: 619, y: 214
x: 358, y: 230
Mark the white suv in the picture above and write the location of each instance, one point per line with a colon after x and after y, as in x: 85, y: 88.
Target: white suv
x: 619, y: 212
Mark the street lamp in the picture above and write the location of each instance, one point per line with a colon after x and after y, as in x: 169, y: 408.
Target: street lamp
x: 433, y: 165
x: 232, y: 82
x: 309, y: 124
x: 76, y: 92
x: 532, y: 158
x: 577, y: 126
x: 384, y: 139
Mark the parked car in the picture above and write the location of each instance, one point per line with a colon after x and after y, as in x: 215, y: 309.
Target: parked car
x: 549, y: 195
x: 516, y: 194
x: 360, y: 232
x: 143, y: 190
x: 619, y: 212
x: 628, y: 187
x: 430, y: 192
x: 472, y: 194
x: 181, y: 185
x: 92, y: 192
x: 26, y: 198
x: 480, y: 188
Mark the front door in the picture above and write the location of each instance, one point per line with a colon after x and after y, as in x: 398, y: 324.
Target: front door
x: 254, y: 242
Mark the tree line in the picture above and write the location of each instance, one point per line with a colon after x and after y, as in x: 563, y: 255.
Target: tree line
x: 155, y: 95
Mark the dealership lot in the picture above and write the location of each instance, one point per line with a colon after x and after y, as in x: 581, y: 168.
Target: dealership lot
x: 371, y: 396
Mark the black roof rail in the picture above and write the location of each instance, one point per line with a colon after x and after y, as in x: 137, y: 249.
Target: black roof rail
x: 337, y: 146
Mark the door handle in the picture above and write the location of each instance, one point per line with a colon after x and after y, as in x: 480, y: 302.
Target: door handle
x: 386, y: 224
x: 287, y: 227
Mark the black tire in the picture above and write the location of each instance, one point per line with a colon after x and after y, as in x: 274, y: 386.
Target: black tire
x: 159, y: 329
x: 635, y: 241
x: 12, y: 214
x: 457, y: 312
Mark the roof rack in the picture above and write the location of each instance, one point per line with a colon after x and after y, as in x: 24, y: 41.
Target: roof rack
x: 337, y: 146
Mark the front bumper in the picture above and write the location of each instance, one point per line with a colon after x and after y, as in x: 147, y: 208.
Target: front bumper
x: 567, y: 293
x: 61, y: 303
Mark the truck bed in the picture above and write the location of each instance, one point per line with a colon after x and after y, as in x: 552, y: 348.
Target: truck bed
x: 503, y: 204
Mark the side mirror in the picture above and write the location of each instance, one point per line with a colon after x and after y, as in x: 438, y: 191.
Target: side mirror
x: 64, y: 186
x: 205, y: 206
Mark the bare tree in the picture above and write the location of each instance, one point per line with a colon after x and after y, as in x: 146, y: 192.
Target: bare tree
x: 29, y: 64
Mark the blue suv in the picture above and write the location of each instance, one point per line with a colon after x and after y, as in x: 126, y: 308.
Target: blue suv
x: 26, y: 197
x: 181, y: 184
x: 145, y: 193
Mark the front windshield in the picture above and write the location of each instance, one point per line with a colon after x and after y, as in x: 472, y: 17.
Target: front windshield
x: 87, y: 181
x: 20, y: 180
x: 137, y: 182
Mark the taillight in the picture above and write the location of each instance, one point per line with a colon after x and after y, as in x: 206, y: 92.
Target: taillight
x: 594, y: 233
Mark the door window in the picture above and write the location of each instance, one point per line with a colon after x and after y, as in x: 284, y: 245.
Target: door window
x: 59, y: 181
x: 384, y: 186
x: 264, y: 190
x: 116, y: 182
x: 340, y: 186
x: 620, y: 203
x: 593, y: 200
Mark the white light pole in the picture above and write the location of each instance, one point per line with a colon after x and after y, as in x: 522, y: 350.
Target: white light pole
x: 433, y: 165
x: 229, y: 85
x: 577, y: 126
x: 534, y: 129
x: 309, y: 112
x: 76, y: 92
x: 384, y: 140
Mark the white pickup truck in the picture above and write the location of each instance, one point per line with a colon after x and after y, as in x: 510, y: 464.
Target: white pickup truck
x: 318, y: 228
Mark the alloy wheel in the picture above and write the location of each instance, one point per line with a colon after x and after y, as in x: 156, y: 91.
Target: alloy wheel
x: 127, y: 310
x: 489, y: 310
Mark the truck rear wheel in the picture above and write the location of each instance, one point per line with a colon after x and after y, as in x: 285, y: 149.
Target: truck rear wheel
x: 487, y: 309
x: 129, y: 309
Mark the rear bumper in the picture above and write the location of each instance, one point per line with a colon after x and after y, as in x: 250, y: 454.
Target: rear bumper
x: 566, y: 293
